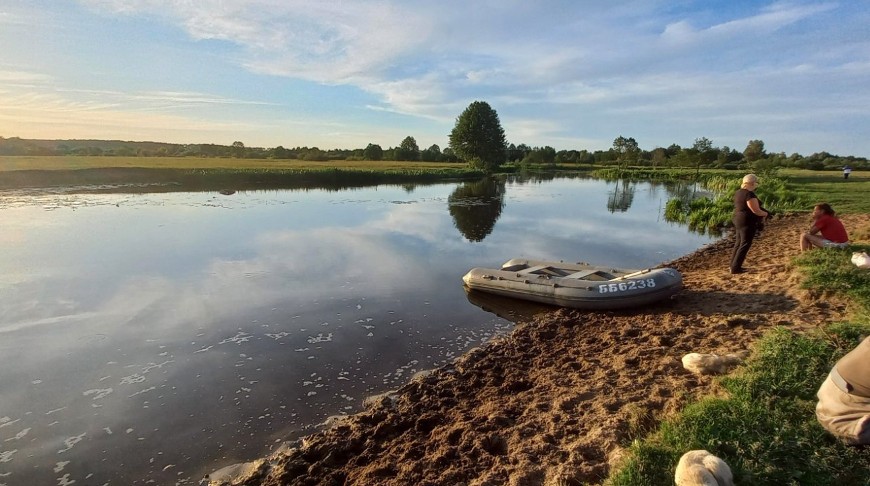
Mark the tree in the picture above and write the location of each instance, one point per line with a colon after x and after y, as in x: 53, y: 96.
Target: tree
x: 754, y: 151
x: 704, y: 153
x: 373, y: 152
x: 659, y: 156
x: 408, y: 150
x: 626, y: 150
x: 431, y: 154
x: 238, y: 149
x: 478, y: 137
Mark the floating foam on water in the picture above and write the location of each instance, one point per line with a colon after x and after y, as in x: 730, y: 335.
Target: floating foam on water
x: 72, y: 441
x: 65, y: 480
x: 239, y: 338
x: 132, y: 379
x: 146, y: 390
x: 320, y: 338
x: 6, y: 456
x: 19, y: 435
x: 99, y: 393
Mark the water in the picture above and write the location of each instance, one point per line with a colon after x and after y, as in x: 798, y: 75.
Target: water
x: 158, y: 337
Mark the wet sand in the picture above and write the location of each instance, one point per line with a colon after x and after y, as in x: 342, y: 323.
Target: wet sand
x: 555, y: 402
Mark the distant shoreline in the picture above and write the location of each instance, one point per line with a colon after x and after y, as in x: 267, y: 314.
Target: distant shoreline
x: 139, y: 179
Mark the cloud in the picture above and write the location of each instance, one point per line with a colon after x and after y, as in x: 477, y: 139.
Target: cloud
x: 557, y: 69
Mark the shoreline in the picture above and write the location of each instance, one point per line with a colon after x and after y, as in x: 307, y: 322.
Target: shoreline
x: 557, y: 399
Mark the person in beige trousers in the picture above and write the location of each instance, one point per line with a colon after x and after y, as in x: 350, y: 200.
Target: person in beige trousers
x: 844, y: 397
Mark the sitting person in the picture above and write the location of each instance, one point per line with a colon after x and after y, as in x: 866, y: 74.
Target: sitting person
x: 833, y: 233
x: 844, y: 397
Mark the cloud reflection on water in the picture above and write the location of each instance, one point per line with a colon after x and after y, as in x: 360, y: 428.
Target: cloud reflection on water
x: 202, y: 330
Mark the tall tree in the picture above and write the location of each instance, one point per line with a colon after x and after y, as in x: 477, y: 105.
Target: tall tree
x: 478, y: 137
x: 408, y: 150
x: 626, y: 150
x: 754, y: 151
x: 704, y: 154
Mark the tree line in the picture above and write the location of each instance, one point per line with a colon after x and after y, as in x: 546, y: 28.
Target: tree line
x: 477, y: 138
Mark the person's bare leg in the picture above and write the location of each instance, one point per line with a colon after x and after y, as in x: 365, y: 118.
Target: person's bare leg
x: 809, y: 241
x: 805, y: 245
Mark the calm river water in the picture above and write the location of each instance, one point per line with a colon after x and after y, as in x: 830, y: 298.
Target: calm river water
x: 153, y: 338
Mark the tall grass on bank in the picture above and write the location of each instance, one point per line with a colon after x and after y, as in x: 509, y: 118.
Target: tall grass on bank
x: 766, y: 429
x: 661, y: 174
x: 709, y: 214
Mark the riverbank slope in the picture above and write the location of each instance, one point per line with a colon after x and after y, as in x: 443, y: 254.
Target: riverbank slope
x: 556, y: 401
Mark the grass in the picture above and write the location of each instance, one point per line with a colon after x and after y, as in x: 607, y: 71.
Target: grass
x: 846, y: 196
x: 765, y: 428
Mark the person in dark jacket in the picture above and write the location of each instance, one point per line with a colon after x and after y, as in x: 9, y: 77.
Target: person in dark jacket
x: 747, y: 216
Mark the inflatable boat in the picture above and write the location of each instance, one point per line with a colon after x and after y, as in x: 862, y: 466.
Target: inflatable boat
x: 577, y: 285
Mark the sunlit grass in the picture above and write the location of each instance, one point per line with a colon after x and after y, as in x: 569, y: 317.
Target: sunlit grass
x: 765, y: 428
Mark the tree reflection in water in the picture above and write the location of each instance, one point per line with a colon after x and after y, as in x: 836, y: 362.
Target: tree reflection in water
x: 476, y: 206
x: 621, y: 197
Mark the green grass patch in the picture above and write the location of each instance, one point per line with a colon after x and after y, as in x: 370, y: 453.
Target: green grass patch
x: 766, y: 429
x: 845, y: 196
x: 831, y: 270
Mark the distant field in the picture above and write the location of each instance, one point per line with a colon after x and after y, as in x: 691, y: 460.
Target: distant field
x: 13, y: 163
x: 845, y: 196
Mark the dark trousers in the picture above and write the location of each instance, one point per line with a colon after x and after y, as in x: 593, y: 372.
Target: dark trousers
x: 744, y: 233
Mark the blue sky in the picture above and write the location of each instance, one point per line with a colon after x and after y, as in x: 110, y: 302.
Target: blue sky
x: 345, y: 73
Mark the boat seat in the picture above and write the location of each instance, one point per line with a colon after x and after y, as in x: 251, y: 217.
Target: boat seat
x: 533, y: 269
x: 582, y: 274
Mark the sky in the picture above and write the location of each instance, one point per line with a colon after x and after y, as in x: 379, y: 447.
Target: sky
x: 570, y: 74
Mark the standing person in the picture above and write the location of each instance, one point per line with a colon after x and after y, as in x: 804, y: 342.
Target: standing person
x: 833, y: 233
x: 846, y: 171
x: 747, y: 215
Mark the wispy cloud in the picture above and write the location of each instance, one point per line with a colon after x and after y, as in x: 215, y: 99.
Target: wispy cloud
x: 557, y: 69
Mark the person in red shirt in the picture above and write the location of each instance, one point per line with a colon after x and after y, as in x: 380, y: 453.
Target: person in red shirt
x: 833, y: 233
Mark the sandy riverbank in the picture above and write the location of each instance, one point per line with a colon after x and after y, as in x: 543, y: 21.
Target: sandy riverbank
x: 556, y: 400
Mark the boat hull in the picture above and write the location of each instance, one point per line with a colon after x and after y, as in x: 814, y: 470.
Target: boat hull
x: 576, y: 285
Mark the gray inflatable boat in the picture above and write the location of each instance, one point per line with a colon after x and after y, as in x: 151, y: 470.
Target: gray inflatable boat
x: 577, y: 285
